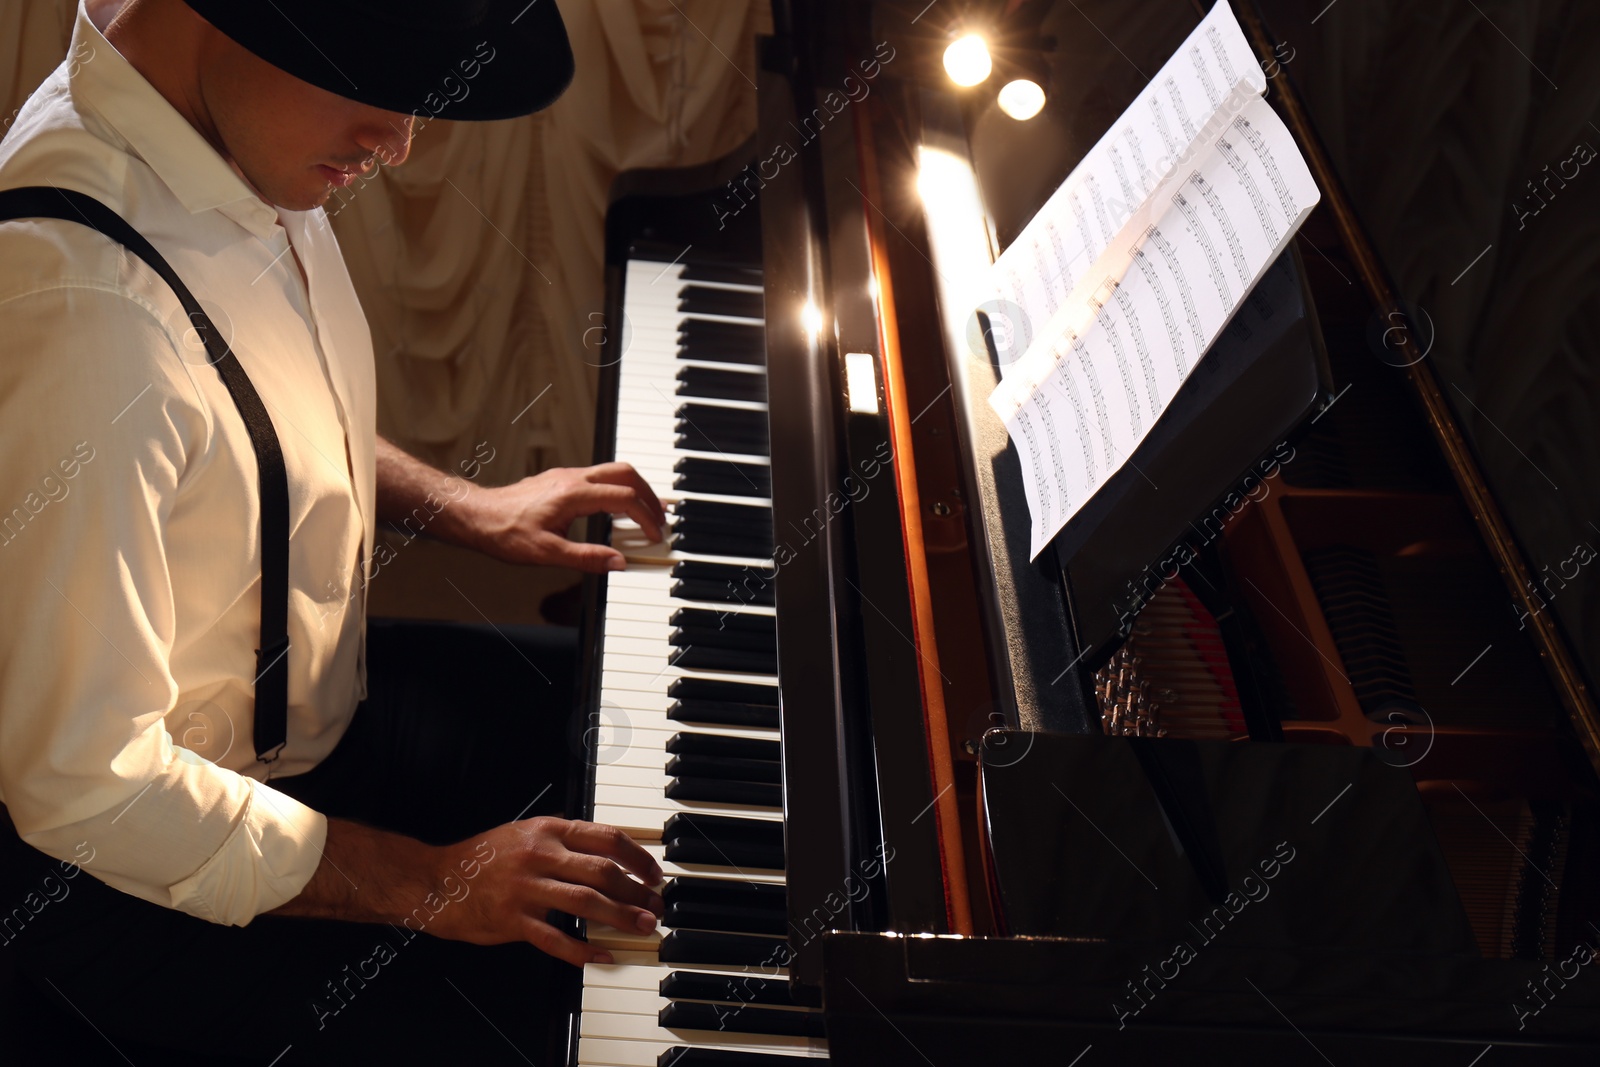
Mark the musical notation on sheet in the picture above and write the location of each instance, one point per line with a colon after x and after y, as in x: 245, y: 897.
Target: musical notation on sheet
x: 1217, y: 206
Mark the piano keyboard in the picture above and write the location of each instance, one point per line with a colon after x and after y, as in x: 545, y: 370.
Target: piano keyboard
x: 686, y: 744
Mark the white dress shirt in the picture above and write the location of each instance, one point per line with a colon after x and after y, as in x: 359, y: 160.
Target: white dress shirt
x: 130, y: 562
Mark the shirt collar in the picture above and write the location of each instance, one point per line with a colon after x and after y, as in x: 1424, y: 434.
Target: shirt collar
x: 155, y: 132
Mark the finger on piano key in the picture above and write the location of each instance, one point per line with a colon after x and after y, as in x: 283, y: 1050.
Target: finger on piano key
x: 680, y: 869
x: 642, y: 812
x: 664, y: 555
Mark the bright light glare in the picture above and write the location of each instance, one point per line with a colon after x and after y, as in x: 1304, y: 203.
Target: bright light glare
x: 1021, y: 99
x: 811, y: 319
x: 947, y: 186
x: 958, y: 236
x: 967, y: 60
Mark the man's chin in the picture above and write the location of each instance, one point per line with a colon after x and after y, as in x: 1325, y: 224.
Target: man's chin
x: 302, y: 199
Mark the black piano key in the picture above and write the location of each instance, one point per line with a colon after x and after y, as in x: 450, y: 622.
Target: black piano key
x: 717, y: 791
x: 710, y: 589
x: 716, y: 384
x: 719, y: 904
x: 684, y: 1056
x: 723, y: 528
x: 715, y: 949
x: 699, y: 580
x: 732, y: 273
x: 733, y: 481
x: 722, y: 703
x: 713, y: 418
x: 723, y: 841
x: 725, y: 988
x: 721, y: 437
x: 697, y: 474
x: 692, y: 889
x: 738, y: 628
x: 737, y: 546
x: 728, y: 621
x: 694, y: 328
x: 723, y: 513
x: 722, y: 342
x: 710, y: 300
x: 723, y: 713
x: 738, y: 856
x: 726, y: 768
x: 694, y: 916
x: 742, y: 1020
x: 713, y: 637
x: 717, y: 689
x: 689, y: 439
x: 739, y: 660
x: 694, y: 437
x: 690, y: 743
x: 723, y: 829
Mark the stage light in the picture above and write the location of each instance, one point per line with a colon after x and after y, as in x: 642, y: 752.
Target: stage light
x: 1021, y: 99
x: 967, y: 60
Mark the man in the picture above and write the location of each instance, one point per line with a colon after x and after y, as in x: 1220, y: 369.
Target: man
x: 132, y: 566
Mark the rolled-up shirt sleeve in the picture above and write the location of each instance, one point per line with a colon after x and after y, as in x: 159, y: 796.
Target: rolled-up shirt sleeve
x: 103, y: 418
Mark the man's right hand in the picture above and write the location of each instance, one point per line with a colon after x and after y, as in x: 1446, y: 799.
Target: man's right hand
x: 495, y: 887
x: 547, y: 864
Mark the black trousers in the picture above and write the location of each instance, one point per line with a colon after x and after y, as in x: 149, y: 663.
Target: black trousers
x: 464, y: 728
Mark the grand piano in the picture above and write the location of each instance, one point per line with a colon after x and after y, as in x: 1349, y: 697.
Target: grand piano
x: 1274, y: 754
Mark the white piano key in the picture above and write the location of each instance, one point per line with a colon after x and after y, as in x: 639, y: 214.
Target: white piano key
x: 644, y: 607
x: 627, y: 677
x: 618, y: 1025
x: 620, y: 774
x: 629, y: 608
x: 657, y: 629
x: 648, y: 975
x: 646, y: 823
x: 659, y: 579
x: 633, y: 748
x: 623, y: 736
x: 596, y: 1052
x: 654, y: 585
x: 651, y: 399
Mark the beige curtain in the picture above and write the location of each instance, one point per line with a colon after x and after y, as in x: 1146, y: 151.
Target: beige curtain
x: 479, y: 261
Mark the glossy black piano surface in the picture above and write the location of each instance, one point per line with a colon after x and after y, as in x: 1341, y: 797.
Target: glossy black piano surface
x: 1317, y: 635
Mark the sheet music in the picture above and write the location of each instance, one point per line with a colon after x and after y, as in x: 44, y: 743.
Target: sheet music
x: 1136, y: 320
x: 1142, y: 149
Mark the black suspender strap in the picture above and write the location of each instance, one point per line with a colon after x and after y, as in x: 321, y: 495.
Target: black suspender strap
x: 272, y: 658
